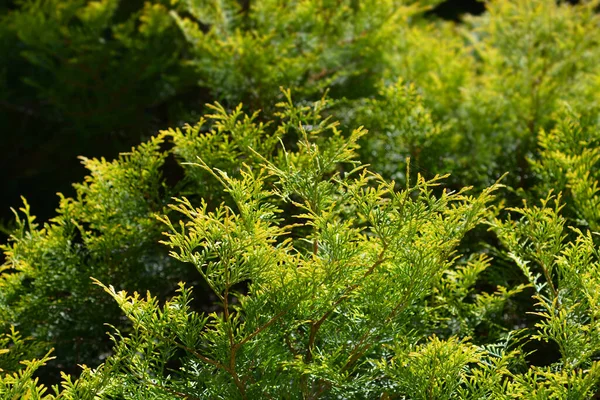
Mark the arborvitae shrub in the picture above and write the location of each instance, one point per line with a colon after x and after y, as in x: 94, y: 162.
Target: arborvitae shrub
x: 328, y: 281
x: 309, y: 319
x: 295, y: 270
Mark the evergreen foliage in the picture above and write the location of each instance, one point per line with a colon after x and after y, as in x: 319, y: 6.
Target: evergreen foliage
x: 420, y: 221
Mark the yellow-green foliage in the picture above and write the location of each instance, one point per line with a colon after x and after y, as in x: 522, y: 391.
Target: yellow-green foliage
x: 317, y: 248
x: 568, y: 162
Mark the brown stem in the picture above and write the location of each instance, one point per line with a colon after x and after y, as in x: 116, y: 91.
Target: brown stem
x: 240, y: 385
x: 359, y: 349
x: 549, y: 280
x: 316, y: 325
x: 226, y: 304
x: 265, y: 326
x: 229, y: 369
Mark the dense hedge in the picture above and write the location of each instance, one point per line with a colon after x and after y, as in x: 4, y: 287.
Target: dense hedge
x: 399, y: 207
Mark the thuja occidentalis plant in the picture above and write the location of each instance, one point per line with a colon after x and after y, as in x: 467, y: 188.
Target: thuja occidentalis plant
x: 328, y: 280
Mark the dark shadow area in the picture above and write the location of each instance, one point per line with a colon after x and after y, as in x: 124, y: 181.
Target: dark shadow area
x: 453, y: 10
